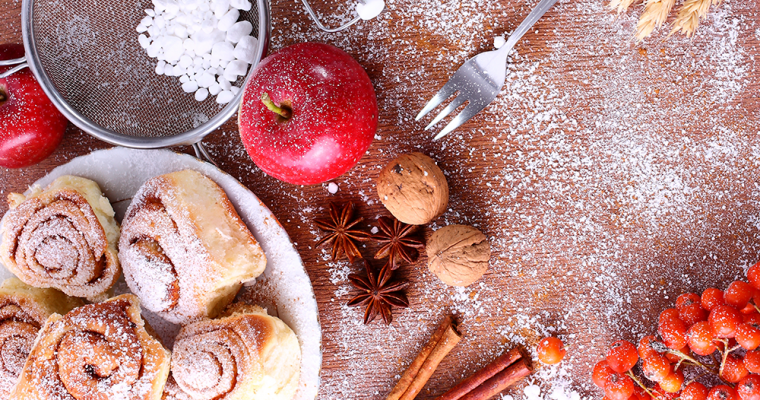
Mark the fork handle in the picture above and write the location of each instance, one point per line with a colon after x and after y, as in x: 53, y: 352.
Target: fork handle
x: 538, y: 12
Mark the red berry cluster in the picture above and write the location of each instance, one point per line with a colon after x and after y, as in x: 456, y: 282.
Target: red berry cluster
x: 708, y: 332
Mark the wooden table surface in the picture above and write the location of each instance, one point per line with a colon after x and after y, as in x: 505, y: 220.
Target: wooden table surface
x: 609, y: 176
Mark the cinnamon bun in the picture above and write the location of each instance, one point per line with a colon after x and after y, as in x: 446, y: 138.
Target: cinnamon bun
x: 98, y: 351
x: 184, y: 249
x: 63, y: 237
x: 23, y: 311
x: 244, y: 355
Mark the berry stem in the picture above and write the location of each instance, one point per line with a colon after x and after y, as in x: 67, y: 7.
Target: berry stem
x: 691, y: 360
x: 638, y: 382
x: 3, y: 95
x: 279, y: 110
x: 726, y: 351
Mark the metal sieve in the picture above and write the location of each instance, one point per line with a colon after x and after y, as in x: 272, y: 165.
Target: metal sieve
x: 86, y: 57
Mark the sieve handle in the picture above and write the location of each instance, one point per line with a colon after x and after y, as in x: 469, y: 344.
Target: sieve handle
x: 203, y: 154
x: 20, y: 63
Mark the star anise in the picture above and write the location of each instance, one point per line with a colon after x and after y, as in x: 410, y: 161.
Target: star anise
x: 397, y: 244
x: 340, y: 234
x: 378, y: 293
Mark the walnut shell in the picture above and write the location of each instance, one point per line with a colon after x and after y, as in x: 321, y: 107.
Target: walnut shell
x: 413, y: 189
x: 458, y: 254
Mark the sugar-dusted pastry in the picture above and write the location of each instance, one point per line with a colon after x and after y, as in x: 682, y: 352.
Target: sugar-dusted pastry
x: 184, y: 249
x: 23, y: 311
x: 244, y: 355
x: 98, y: 351
x: 63, y: 237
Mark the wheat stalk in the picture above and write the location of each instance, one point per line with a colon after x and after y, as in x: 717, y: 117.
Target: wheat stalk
x: 655, y: 14
x: 621, y: 5
x: 689, y: 15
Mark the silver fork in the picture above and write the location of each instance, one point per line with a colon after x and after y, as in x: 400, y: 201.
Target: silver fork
x: 480, y: 79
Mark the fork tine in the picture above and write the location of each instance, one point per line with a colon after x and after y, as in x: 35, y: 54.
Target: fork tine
x: 446, y: 111
x: 463, y: 117
x: 446, y: 91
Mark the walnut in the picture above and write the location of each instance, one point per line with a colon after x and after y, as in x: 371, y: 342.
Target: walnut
x: 413, y: 189
x: 458, y: 254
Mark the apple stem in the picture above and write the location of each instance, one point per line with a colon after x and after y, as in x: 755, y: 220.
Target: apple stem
x: 281, y: 111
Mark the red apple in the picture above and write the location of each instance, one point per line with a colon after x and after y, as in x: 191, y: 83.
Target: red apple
x: 30, y: 125
x: 308, y: 114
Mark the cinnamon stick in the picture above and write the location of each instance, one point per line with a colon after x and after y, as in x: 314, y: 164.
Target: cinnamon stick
x: 414, y: 378
x: 502, y: 380
x: 500, y: 364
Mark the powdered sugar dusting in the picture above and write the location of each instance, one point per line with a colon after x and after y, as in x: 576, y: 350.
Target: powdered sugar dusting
x: 609, y: 176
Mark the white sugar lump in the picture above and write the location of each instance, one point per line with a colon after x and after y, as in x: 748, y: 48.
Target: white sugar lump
x: 228, y: 20
x: 224, y: 97
x: 184, y: 79
x: 173, y: 48
x: 246, y: 49
x: 235, y: 90
x: 189, y: 87
x: 153, y: 31
x: 223, y: 51
x: 172, y: 9
x: 370, y: 9
x: 147, y: 21
x: 236, y: 68
x: 154, y: 49
x: 159, y: 22
x: 244, y: 5
x: 150, y: 12
x: 214, y: 89
x: 160, y: 67
x: 185, y: 61
x: 220, y: 7
x: 169, y: 70
x: 229, y: 77
x: 238, y: 31
x: 144, y: 41
x: 499, y: 41
x: 201, y: 94
x: 332, y: 188
x: 141, y: 28
x: 206, y: 80
x: 180, y: 31
x: 225, y: 84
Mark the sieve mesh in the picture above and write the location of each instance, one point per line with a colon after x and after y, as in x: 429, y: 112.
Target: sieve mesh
x: 90, y: 52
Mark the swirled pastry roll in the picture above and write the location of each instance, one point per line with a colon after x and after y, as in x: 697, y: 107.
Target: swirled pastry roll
x: 184, y: 249
x: 244, y: 355
x: 63, y: 237
x: 98, y: 351
x: 23, y: 311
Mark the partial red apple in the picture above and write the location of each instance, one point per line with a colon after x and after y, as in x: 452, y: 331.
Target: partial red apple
x: 30, y: 125
x: 308, y: 114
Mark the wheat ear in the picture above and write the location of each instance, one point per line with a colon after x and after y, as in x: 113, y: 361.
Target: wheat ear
x: 689, y: 15
x: 655, y: 14
x: 621, y: 5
